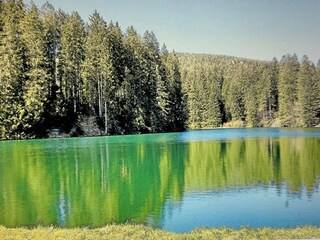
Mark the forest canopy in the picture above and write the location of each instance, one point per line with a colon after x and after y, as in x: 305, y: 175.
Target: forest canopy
x: 235, y: 92
x: 59, y: 72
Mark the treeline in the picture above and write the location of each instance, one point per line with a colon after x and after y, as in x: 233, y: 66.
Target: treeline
x: 56, y: 70
x: 230, y: 91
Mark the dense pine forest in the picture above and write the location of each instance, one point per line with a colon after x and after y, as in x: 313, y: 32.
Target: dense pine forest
x: 58, y: 72
x: 235, y: 92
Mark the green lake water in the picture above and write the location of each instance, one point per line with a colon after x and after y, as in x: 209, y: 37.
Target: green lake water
x: 175, y: 181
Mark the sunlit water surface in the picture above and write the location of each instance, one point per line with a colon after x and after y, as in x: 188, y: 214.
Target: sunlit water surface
x: 176, y: 181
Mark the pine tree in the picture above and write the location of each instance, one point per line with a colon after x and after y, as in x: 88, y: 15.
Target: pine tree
x: 273, y: 87
x: 61, y: 104
x: 256, y: 93
x: 135, y: 78
x: 203, y: 96
x: 99, y: 82
x: 177, y: 100
x: 163, y: 91
x: 72, y: 53
x: 213, y: 116
x: 11, y: 71
x: 268, y: 97
x: 235, y: 96
x: 288, y: 73
x: 307, y: 94
x: 36, y: 85
x: 52, y: 30
x: 250, y: 98
x: 115, y: 89
x: 150, y: 66
x: 194, y: 104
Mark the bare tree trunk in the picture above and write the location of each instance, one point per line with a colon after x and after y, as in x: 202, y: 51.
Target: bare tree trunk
x: 79, y: 87
x: 105, y: 118
x: 269, y: 105
x: 74, y: 100
x: 99, y: 96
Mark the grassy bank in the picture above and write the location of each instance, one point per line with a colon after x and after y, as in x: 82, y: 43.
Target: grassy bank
x: 142, y: 232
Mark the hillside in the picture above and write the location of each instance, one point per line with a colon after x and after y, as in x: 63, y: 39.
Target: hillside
x: 231, y: 91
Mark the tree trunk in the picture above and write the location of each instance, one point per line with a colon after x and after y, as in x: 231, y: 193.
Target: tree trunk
x: 99, y: 97
x: 74, y: 100
x: 105, y: 118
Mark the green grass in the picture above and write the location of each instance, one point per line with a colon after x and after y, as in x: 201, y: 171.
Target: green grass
x: 142, y: 232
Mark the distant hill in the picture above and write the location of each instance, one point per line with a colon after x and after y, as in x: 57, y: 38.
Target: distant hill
x: 231, y: 91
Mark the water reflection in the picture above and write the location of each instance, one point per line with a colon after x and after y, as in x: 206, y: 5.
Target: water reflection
x: 228, y: 164
x: 157, y: 179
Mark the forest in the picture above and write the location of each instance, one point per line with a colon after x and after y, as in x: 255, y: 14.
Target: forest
x: 59, y: 72
x: 235, y: 92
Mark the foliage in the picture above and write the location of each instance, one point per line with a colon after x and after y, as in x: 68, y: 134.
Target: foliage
x: 54, y: 70
x: 230, y: 91
x: 35, y: 84
x: 308, y: 97
x: 288, y: 73
x: 72, y: 55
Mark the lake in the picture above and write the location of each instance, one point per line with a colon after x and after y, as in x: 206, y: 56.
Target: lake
x: 175, y: 181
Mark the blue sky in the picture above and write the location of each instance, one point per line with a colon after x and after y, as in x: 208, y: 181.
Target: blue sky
x: 257, y: 29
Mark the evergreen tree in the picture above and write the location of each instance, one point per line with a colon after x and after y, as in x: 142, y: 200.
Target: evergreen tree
x: 177, y: 100
x: 235, y: 97
x: 250, y: 80
x: 194, y: 104
x: 136, y: 75
x: 100, y: 84
x: 52, y: 30
x: 72, y: 54
x: 61, y: 105
x: 273, y: 87
x: 268, y: 104
x: 215, y: 116
x: 150, y: 66
x: 203, y: 96
x: 35, y: 92
x: 116, y: 88
x: 288, y: 73
x: 307, y: 94
x: 12, y: 71
x: 163, y: 91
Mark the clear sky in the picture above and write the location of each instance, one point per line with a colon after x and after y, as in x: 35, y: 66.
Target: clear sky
x: 257, y: 29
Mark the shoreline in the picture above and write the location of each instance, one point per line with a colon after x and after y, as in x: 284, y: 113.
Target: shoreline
x: 129, y: 231
x: 66, y: 136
